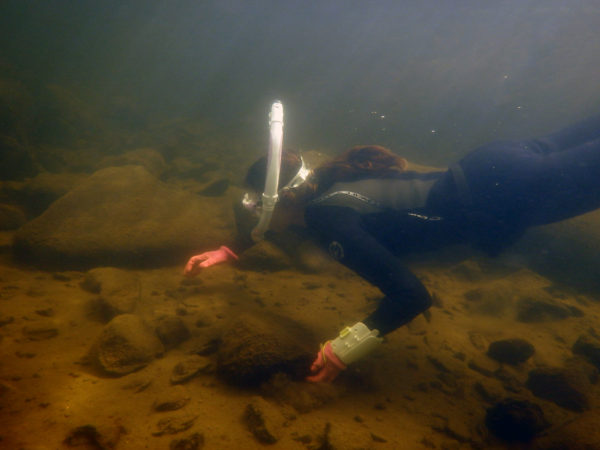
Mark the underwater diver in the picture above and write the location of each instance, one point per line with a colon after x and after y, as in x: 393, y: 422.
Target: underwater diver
x: 367, y: 210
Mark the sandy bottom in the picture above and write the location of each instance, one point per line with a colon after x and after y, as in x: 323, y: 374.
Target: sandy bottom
x: 416, y: 391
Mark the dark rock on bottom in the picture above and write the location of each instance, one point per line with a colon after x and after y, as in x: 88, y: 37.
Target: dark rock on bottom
x: 511, y: 351
x: 90, y: 436
x: 194, y: 442
x: 515, y: 420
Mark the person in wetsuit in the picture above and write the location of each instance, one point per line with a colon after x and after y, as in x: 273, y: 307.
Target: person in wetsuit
x: 367, y: 211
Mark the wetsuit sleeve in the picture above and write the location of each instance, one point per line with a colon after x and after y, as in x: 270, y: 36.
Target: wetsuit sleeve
x: 340, y: 229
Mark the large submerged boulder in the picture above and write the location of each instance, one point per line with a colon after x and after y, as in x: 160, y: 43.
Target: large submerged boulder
x: 124, y: 216
x: 149, y: 158
x: 37, y: 193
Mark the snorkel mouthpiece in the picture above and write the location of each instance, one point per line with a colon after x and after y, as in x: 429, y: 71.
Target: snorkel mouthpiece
x: 269, y: 196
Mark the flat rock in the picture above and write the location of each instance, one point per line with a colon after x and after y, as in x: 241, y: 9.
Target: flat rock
x: 174, y: 425
x: 171, y: 399
x: 588, y: 345
x: 511, y: 351
x: 189, y: 368
x: 136, y: 385
x: 254, y: 348
x: 263, y: 420
x: 124, y: 216
x: 544, y: 308
x: 193, y: 442
x: 40, y: 331
x: 566, y: 388
x: 125, y: 345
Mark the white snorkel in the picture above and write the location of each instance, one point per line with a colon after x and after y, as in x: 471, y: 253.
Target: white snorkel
x: 269, y: 196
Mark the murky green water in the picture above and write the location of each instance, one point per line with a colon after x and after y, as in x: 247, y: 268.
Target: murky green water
x: 125, y: 132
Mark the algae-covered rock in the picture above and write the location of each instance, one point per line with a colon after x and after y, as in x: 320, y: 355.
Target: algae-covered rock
x: 254, y: 348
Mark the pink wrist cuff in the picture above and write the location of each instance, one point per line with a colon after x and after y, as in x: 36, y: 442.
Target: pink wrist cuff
x: 229, y: 252
x: 332, y: 357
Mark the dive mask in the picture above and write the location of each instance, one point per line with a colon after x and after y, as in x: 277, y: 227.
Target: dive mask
x: 252, y: 201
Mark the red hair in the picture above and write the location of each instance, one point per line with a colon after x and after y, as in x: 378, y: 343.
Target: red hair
x: 363, y: 161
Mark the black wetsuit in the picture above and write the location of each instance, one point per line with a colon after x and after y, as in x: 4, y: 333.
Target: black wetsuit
x: 487, y: 199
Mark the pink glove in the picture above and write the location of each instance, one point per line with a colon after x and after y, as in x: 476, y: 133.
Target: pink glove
x: 327, y: 366
x: 208, y: 259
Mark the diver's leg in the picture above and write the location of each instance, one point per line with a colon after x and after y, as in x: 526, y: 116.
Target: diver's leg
x: 517, y: 186
x: 566, y: 184
x: 572, y: 136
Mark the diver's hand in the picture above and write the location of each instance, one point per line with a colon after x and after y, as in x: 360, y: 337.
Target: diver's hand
x: 327, y: 366
x: 207, y: 259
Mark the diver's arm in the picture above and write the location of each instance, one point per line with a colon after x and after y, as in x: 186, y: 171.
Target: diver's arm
x: 405, y: 295
x: 341, y: 230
